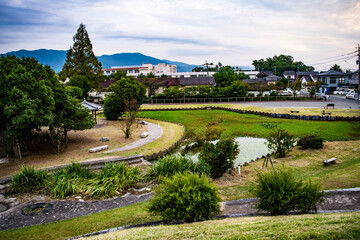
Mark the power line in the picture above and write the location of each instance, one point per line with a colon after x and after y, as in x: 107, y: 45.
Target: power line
x: 335, y: 60
x: 342, y: 55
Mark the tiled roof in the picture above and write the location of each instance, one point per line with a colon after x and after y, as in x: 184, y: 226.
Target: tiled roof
x: 193, y: 81
x: 332, y: 73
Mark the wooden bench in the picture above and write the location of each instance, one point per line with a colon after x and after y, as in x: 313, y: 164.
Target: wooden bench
x: 331, y: 160
x: 330, y: 105
x: 326, y: 113
x: 293, y: 111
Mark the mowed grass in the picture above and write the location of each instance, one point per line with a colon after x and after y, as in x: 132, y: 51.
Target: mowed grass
x: 319, y: 226
x: 236, y: 124
x: 308, y: 164
x: 132, y: 214
x: 345, y: 112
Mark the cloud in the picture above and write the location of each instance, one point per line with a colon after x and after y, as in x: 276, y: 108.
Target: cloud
x: 232, y: 31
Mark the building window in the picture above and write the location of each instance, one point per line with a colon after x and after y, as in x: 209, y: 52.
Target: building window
x: 341, y: 80
x: 332, y: 80
x: 137, y: 71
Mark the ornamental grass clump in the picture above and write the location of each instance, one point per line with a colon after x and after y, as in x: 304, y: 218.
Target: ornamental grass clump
x: 171, y: 164
x: 28, y: 179
x: 186, y: 197
x: 280, y: 191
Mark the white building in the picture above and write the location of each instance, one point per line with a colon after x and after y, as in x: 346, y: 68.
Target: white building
x: 135, y: 70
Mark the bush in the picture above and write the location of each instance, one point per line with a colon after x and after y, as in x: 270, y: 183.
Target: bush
x: 220, y: 156
x: 279, y: 191
x: 28, y: 179
x: 112, y: 108
x: 281, y: 142
x: 311, y: 141
x: 185, y: 197
x: 169, y: 165
x: 251, y: 95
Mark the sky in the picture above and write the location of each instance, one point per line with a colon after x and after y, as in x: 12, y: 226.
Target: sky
x: 234, y: 32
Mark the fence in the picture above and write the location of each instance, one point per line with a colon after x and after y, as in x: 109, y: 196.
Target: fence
x: 228, y: 99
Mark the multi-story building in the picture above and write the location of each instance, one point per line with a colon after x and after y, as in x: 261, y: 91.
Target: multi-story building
x: 135, y: 70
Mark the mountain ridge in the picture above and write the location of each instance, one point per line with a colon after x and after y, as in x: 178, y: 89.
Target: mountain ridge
x: 56, y: 59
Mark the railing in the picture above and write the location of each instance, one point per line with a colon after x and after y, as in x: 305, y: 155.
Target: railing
x: 228, y: 99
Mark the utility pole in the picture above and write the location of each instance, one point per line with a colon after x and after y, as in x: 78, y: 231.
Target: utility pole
x: 207, y: 68
x: 358, y: 62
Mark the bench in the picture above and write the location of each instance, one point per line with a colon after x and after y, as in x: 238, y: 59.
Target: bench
x: 326, y: 113
x: 331, y: 160
x: 330, y: 105
x: 293, y: 111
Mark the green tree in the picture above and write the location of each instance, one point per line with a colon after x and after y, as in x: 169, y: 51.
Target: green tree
x: 173, y: 92
x: 295, y: 86
x: 281, y: 141
x: 336, y: 68
x: 198, y: 69
x: 313, y: 87
x: 278, y: 64
x: 75, y: 92
x: 81, y: 82
x: 81, y: 60
x: 225, y: 76
x: 127, y: 95
x: 237, y: 89
x: 26, y: 100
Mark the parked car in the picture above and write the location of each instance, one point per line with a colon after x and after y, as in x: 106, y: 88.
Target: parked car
x: 351, y: 94
x: 345, y: 92
x: 339, y: 91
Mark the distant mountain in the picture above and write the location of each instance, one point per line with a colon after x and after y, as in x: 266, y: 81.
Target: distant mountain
x: 56, y: 59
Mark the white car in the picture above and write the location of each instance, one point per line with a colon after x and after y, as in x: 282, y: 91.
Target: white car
x: 345, y: 92
x: 351, y: 94
x: 339, y: 91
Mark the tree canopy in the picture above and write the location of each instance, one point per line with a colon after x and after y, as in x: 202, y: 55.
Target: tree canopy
x: 279, y: 64
x: 81, y: 60
x: 127, y: 88
x: 226, y: 76
x: 31, y: 97
x: 336, y: 68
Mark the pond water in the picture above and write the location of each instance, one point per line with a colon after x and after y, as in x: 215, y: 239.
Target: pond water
x: 250, y: 149
x: 3, y: 207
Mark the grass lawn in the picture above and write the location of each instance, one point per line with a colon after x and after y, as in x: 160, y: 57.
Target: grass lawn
x: 302, y: 111
x: 237, y: 124
x: 308, y: 164
x: 319, y: 226
x: 132, y: 214
x: 42, y: 155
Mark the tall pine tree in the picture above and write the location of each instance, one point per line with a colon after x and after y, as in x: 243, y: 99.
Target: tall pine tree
x: 81, y: 60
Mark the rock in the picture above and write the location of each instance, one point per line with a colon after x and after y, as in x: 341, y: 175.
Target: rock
x: 39, y: 198
x: 81, y: 200
x: 2, y: 187
x: 144, y: 123
x: 78, y: 197
x: 4, y: 160
x: 144, y: 135
x: 98, y: 149
x: 10, y: 200
x: 2, y: 197
x: 104, y: 139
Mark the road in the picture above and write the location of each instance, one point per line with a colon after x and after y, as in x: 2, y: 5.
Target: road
x: 339, y: 101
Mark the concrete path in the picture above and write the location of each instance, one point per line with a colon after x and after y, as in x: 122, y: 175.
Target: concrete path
x: 155, y: 131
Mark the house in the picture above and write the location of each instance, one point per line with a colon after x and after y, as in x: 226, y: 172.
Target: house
x: 290, y: 75
x: 333, y: 79
x: 146, y: 68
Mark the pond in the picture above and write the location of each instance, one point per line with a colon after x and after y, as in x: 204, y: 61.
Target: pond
x: 250, y: 149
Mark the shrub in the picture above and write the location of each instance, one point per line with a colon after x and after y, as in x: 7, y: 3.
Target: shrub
x: 280, y: 191
x: 311, y: 141
x: 28, y: 179
x: 185, y: 197
x: 281, y: 142
x: 251, y: 95
x: 220, y: 156
x: 169, y: 165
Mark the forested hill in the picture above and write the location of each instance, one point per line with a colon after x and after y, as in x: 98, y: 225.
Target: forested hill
x: 56, y: 59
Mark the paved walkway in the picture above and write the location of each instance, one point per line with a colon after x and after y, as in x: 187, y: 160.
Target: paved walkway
x: 155, y: 131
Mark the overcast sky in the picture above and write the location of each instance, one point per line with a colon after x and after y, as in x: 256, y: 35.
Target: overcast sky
x: 234, y: 32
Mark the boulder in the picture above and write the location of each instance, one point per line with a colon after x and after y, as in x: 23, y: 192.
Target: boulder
x: 144, y: 135
x: 144, y: 123
x: 104, y: 139
x: 98, y: 149
x: 39, y: 198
